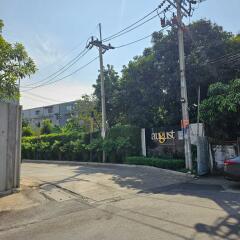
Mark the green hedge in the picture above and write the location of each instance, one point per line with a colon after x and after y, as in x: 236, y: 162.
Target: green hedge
x: 172, y: 164
x: 120, y: 142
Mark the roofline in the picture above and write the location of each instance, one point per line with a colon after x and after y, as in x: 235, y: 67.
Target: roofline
x: 51, y: 105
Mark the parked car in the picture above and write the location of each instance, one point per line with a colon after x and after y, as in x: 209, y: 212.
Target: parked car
x: 232, y: 168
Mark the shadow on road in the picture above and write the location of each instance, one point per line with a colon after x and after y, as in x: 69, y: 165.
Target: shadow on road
x: 143, y: 180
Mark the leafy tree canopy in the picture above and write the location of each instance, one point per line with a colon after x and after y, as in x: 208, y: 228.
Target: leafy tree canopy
x: 148, y: 92
x: 47, y: 127
x: 220, y: 111
x: 84, y: 116
x: 14, y: 65
x: 111, y: 84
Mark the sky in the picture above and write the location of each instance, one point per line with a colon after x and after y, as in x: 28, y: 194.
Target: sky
x: 55, y: 31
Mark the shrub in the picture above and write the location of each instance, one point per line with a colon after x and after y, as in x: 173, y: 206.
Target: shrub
x: 172, y: 164
x: 47, y: 127
x: 120, y: 142
x: 27, y: 131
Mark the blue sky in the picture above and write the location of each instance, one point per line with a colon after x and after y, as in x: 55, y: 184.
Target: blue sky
x: 55, y: 31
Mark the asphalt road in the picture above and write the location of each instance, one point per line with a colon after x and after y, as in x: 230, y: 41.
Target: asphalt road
x: 61, y: 202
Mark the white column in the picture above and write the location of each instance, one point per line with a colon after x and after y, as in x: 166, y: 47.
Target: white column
x: 143, y: 141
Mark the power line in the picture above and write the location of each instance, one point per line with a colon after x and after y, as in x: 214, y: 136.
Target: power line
x: 44, y: 98
x: 228, y: 57
x: 138, y: 40
x: 133, y: 27
x: 83, y: 53
x: 58, y: 80
x: 39, y: 100
x: 121, y: 46
x: 62, y: 69
x: 68, y: 63
x: 130, y: 43
x: 141, y: 19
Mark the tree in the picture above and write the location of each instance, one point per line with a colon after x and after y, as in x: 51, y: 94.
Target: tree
x: 47, y: 127
x: 221, y: 110
x: 26, y: 129
x: 111, y: 82
x: 84, y: 113
x: 14, y: 65
x: 148, y: 92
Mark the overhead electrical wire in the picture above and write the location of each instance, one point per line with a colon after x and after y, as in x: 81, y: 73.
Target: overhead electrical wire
x: 121, y: 46
x: 132, y: 26
x: 46, y: 81
x: 63, y: 67
x: 226, y: 55
x: 60, y: 79
x: 130, y: 43
x: 131, y: 29
x: 139, y: 40
x: 38, y: 100
x: 110, y: 37
x: 41, y: 97
x: 226, y: 58
x: 61, y: 70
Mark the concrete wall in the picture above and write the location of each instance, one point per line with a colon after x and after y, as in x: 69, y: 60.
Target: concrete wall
x: 10, y: 147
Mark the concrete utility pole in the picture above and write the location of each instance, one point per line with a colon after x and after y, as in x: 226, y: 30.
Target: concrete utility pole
x: 102, y: 49
x: 184, y: 97
x: 184, y: 9
x: 103, y: 98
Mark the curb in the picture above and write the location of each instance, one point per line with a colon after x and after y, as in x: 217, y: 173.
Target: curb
x: 6, y: 193
x: 95, y: 164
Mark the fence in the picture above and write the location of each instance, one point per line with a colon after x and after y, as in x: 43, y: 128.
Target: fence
x: 221, y: 150
x: 10, y: 150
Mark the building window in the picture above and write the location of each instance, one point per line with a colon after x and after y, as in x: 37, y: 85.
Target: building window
x: 58, y: 116
x: 50, y: 109
x: 68, y: 115
x: 69, y: 108
x: 37, y: 112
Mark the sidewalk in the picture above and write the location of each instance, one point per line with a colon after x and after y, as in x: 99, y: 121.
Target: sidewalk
x: 27, y: 196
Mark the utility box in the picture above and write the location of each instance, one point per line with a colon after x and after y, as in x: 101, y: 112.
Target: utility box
x: 10, y: 146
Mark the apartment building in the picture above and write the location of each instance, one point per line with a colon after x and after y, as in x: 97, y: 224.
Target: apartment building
x: 58, y: 114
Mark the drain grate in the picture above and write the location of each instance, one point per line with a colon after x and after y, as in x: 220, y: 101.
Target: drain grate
x: 55, y: 193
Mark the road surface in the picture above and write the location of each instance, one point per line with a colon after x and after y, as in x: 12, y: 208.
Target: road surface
x: 92, y: 202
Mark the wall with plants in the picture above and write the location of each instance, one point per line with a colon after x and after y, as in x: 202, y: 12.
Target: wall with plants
x: 120, y: 142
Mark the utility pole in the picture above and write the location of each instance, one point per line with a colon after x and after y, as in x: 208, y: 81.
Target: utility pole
x: 102, y: 49
x: 184, y: 97
x: 103, y: 97
x: 184, y: 9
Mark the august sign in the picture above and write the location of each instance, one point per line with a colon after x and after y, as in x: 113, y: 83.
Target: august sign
x: 162, y: 137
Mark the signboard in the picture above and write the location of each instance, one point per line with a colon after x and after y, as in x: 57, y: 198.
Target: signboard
x: 161, y: 137
x: 164, y: 141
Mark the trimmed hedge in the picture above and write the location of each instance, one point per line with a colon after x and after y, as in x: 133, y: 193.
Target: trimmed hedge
x: 172, y: 164
x: 120, y: 142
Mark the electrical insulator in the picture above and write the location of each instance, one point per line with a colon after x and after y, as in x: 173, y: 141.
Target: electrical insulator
x: 163, y: 22
x: 174, y: 20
